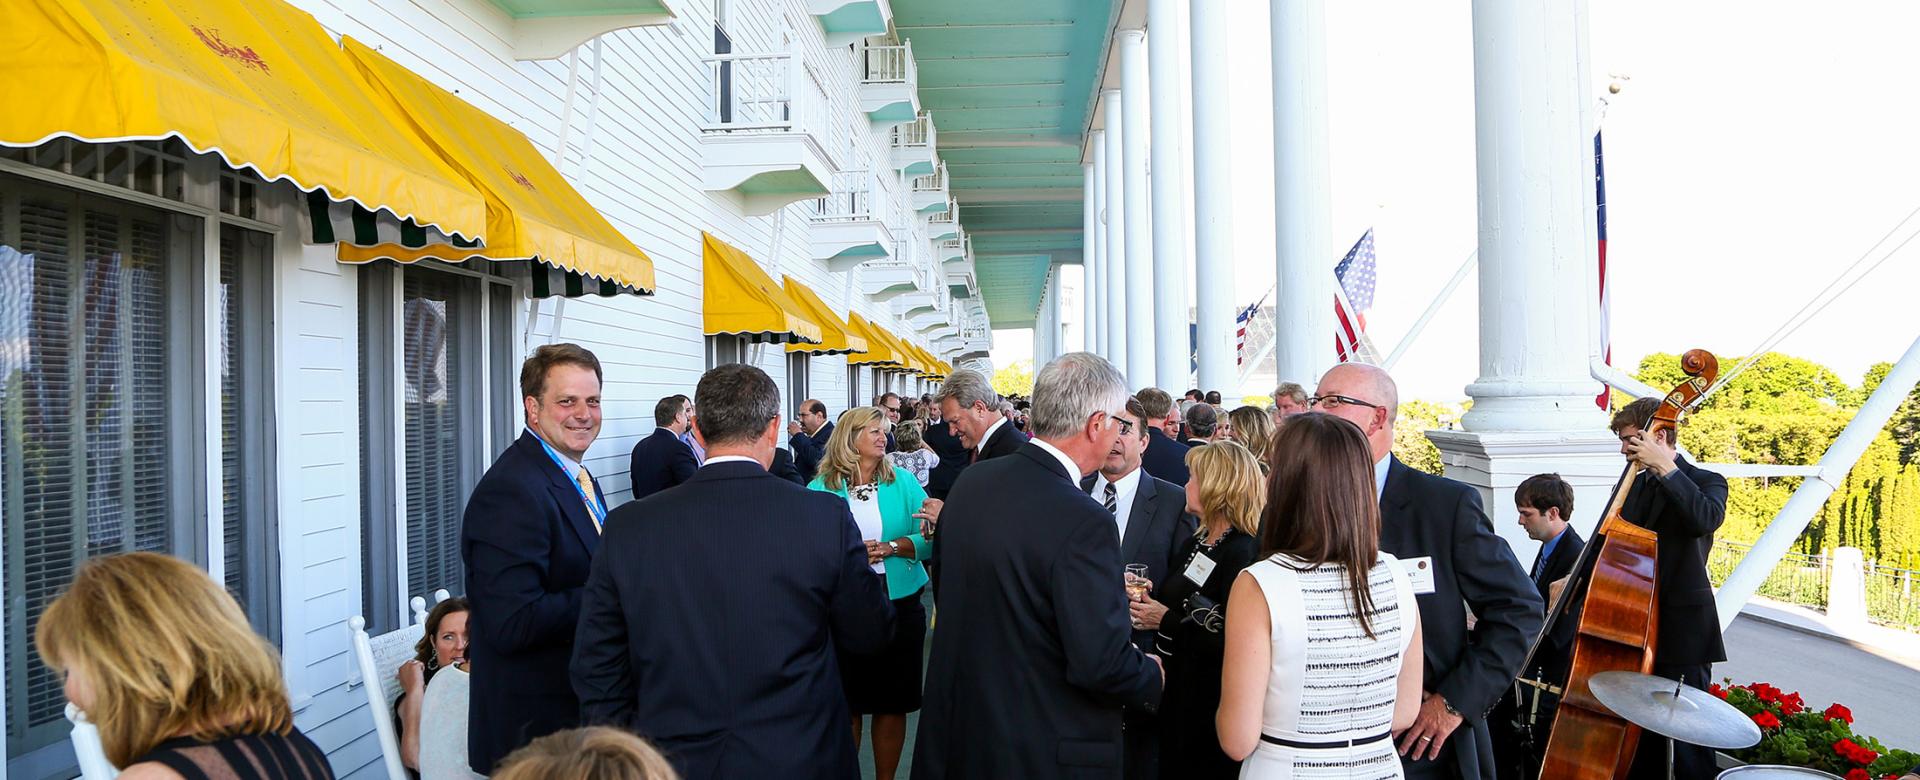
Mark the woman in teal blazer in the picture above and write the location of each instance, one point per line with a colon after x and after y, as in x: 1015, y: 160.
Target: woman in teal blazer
x: 886, y: 502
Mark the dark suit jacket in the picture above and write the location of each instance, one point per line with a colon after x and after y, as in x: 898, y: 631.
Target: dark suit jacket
x: 783, y: 468
x: 1566, y: 553
x: 1422, y: 515
x: 660, y: 461
x: 1032, y: 660
x: 1154, y: 528
x: 1006, y: 440
x: 809, y: 449
x: 954, y: 456
x: 526, y: 541
x: 724, y: 656
x: 1684, y: 508
x: 1165, y: 458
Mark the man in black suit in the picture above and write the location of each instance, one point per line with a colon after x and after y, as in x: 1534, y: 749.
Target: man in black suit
x: 1150, y: 515
x: 1437, y: 528
x: 710, y: 622
x: 1684, y: 504
x: 528, y: 535
x: 1165, y: 456
x: 970, y: 407
x: 662, y: 460
x: 954, y: 455
x: 807, y: 438
x: 889, y: 404
x: 1033, y: 657
x: 1544, y: 502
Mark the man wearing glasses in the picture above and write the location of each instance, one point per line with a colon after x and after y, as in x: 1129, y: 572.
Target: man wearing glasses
x: 1438, y: 530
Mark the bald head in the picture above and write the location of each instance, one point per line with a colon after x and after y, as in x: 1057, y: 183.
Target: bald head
x: 1368, y: 397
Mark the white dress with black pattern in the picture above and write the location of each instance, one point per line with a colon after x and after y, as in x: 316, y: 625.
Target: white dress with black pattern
x: 1330, y: 683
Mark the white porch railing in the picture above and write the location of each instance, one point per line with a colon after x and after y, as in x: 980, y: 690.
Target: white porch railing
x: 852, y: 198
x: 889, y: 64
x: 932, y: 182
x: 915, y: 134
x: 764, y: 93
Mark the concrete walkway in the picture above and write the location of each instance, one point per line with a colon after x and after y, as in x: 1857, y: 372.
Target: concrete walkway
x: 1875, y: 672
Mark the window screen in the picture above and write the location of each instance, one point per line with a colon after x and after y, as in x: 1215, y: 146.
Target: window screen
x: 799, y: 377
x: 437, y: 311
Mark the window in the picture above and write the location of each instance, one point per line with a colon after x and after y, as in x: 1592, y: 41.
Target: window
x: 248, y: 531
x: 724, y: 349
x: 432, y: 340
x: 100, y: 416
x: 853, y: 387
x: 799, y: 370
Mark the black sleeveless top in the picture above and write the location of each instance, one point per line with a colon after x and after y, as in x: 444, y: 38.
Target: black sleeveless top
x: 246, y: 757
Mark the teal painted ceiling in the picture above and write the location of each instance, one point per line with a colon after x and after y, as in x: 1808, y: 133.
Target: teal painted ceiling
x: 1011, y: 84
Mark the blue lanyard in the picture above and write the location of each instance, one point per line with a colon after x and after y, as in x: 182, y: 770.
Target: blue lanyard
x: 594, y: 506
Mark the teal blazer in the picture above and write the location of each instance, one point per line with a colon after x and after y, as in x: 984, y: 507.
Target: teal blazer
x: 898, y: 501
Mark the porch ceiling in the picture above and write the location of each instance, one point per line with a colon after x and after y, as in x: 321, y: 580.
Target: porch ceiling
x: 1011, y: 84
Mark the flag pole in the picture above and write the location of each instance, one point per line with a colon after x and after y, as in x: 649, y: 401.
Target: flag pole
x: 1419, y: 325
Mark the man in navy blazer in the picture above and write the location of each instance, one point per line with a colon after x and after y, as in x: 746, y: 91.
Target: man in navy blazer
x: 710, y: 622
x: 528, y: 536
x: 1544, y: 503
x: 1033, y: 659
x: 1151, y: 518
x: 1440, y: 522
x: 1165, y: 457
x: 807, y: 438
x: 662, y: 460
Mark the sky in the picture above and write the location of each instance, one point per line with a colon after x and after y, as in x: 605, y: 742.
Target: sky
x: 1754, y: 152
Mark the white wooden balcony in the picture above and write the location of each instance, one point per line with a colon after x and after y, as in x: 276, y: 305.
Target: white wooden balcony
x: 846, y: 224
x: 930, y: 191
x: 761, y: 141
x: 847, y: 21
x: 884, y: 280
x: 913, y: 146
x: 944, y: 225
x: 889, y: 83
x: 537, y: 30
x: 924, y: 311
x: 960, y: 280
x: 954, y: 250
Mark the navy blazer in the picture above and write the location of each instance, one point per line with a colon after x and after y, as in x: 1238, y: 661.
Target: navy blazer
x: 723, y: 654
x: 1155, y: 527
x: 1166, y: 458
x: 1685, y: 508
x: 1422, y: 515
x: 1566, y: 553
x: 809, y: 449
x: 1033, y: 659
x: 660, y: 461
x: 954, y: 456
x: 526, y: 541
x: 1006, y: 440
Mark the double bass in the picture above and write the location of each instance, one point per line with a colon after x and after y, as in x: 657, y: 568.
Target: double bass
x: 1614, y: 596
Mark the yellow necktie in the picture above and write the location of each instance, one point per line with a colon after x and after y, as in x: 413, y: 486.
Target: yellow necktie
x: 586, y: 494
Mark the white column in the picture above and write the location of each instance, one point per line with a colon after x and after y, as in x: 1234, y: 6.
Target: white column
x: 1212, y: 197
x: 1114, y: 269
x: 1134, y: 97
x: 1090, y: 240
x: 1303, y: 300
x: 1170, y: 361
x: 1537, y: 245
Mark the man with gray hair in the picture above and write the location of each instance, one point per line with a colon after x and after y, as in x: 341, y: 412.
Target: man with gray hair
x: 1034, y: 659
x: 971, y: 407
x: 710, y: 622
x: 1289, y: 399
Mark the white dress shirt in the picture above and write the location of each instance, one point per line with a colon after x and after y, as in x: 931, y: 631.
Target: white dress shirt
x: 981, y: 445
x: 1380, y: 468
x: 729, y: 459
x: 1065, y: 461
x: 1124, y: 490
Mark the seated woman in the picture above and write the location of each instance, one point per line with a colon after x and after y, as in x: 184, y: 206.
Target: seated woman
x: 198, y: 695
x: 597, y: 753
x: 443, y: 644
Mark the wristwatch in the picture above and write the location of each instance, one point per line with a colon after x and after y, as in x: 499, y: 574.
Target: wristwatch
x: 894, y: 546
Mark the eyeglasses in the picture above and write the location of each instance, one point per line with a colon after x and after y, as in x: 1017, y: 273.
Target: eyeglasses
x: 1332, y: 402
x: 1126, y: 426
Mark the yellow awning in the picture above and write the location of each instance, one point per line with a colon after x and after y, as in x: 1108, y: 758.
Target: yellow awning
x: 742, y: 300
x: 904, y: 351
x: 880, y: 351
x: 532, y: 211
x: 836, y: 338
x: 257, y: 82
x: 926, y: 361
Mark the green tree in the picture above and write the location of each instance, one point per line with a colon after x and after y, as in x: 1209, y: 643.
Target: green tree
x: 1772, y: 380
x: 1905, y: 425
x: 1015, y: 379
x: 1410, y: 443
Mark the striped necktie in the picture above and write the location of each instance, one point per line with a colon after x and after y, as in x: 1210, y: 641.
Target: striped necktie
x: 586, y: 495
x: 1113, y: 500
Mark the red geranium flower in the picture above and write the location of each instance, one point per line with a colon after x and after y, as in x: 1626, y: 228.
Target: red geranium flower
x: 1716, y: 690
x: 1791, y: 704
x: 1857, y: 773
x: 1766, y: 720
x: 1837, y: 712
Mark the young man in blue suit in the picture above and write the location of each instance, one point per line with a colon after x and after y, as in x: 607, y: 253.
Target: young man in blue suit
x: 662, y: 459
x: 530, y: 531
x: 710, y: 621
x: 1033, y: 657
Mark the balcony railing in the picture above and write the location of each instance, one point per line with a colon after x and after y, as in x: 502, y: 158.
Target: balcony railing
x: 916, y: 135
x: 973, y: 333
x: 764, y: 93
x: 889, y: 64
x: 932, y: 182
x: 852, y: 198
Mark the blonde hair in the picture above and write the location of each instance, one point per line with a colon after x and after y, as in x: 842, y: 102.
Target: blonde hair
x: 1253, y: 426
x: 907, y: 436
x: 840, y: 467
x: 595, y: 753
x: 166, y: 651
x: 1231, y: 487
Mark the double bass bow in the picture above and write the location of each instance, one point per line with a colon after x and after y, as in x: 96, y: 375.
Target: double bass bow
x: 1618, y: 601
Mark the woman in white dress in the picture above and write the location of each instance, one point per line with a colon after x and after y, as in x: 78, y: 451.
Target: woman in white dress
x: 1323, y: 655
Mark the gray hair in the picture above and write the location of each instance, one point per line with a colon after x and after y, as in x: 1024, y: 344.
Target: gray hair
x: 968, y: 387
x: 1070, y: 389
x: 736, y: 401
x: 1291, y: 390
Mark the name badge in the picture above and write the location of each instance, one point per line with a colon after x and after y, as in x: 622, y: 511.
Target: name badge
x: 1420, y: 574
x: 1200, y: 569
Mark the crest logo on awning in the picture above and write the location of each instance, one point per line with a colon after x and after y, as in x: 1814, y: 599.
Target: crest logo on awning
x: 519, y: 179
x: 245, y: 55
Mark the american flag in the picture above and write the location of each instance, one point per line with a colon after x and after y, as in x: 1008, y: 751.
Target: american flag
x: 1605, y: 399
x: 1357, y: 276
x: 1240, y: 330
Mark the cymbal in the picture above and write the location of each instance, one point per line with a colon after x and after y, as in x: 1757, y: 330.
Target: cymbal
x: 1675, y: 710
x: 1770, y: 772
